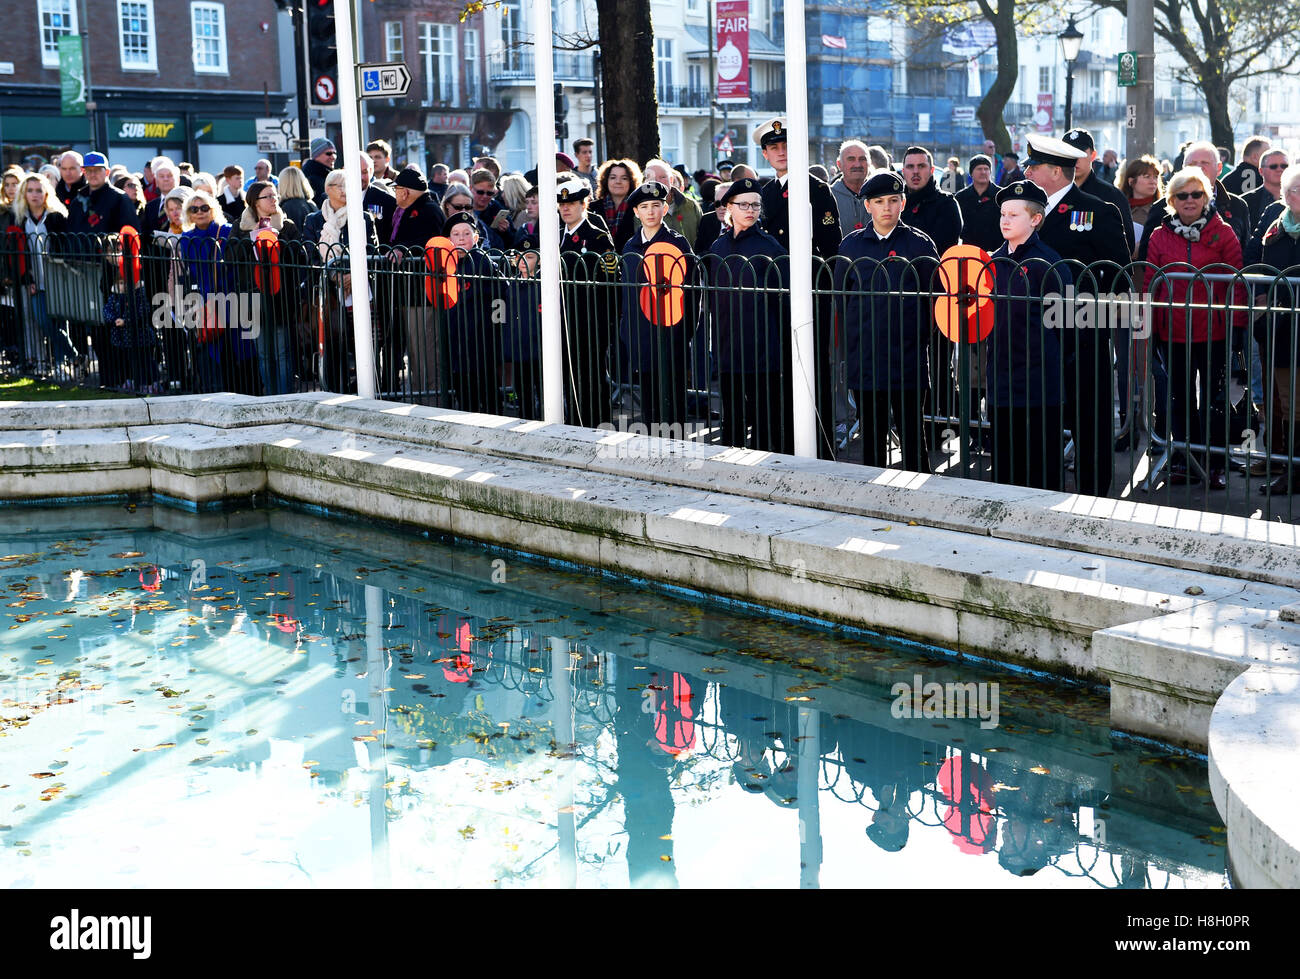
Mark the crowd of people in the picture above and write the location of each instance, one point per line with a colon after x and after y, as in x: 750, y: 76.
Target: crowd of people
x: 651, y: 253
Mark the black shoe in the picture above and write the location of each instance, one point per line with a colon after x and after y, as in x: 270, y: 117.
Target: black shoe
x: 1179, y: 476
x: 1122, y: 443
x: 1281, y: 486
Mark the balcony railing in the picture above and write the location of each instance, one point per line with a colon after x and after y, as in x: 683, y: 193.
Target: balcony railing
x: 683, y: 97
x: 512, y: 65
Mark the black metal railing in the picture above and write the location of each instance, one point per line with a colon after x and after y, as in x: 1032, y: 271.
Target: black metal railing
x: 1174, y: 384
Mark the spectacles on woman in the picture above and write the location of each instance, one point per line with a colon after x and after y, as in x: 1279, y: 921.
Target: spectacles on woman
x: 200, y: 209
x: 747, y: 207
x: 1190, y: 195
x: 454, y: 209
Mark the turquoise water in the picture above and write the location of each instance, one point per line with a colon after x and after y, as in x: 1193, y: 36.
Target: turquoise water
x: 270, y: 699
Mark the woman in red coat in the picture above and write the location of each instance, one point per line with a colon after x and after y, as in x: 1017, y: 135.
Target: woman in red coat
x: 1191, y: 320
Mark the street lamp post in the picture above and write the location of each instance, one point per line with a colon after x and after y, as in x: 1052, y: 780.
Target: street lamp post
x: 1071, y: 39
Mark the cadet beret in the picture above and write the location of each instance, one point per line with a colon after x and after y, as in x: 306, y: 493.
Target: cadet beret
x: 651, y: 190
x: 882, y: 184
x: 1055, y: 152
x: 412, y: 179
x: 979, y: 160
x: 459, y: 218
x: 770, y: 132
x: 1023, y: 190
x: 745, y: 185
x: 1080, y: 139
x: 572, y: 191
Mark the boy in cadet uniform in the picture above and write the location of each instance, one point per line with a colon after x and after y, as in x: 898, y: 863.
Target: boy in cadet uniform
x: 1025, y: 358
x: 586, y: 257
x: 657, y: 353
x: 887, y: 324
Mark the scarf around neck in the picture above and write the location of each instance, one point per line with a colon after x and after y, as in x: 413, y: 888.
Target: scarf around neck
x: 1291, y: 224
x: 1192, y: 232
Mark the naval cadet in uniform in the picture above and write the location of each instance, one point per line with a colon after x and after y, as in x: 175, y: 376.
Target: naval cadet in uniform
x: 1088, y: 230
x: 587, y: 259
x: 772, y: 139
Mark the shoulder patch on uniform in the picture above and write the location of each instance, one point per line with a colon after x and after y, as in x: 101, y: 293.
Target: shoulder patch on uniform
x: 829, y: 218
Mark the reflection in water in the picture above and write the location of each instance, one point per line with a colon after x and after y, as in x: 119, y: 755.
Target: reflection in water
x: 293, y: 701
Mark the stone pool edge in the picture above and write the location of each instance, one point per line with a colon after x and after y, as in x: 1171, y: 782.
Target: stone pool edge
x: 1203, y: 675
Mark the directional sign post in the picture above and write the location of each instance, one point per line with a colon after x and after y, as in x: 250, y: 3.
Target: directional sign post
x: 384, y: 80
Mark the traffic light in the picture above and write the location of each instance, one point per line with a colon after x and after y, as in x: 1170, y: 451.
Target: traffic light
x: 561, y: 107
x: 322, y: 54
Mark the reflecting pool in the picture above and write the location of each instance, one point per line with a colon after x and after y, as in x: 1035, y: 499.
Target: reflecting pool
x: 268, y: 698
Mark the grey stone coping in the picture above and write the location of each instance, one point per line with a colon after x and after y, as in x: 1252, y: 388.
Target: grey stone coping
x: 1188, y: 616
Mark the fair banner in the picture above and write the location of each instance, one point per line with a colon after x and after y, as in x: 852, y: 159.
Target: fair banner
x: 1043, y: 114
x: 733, y: 50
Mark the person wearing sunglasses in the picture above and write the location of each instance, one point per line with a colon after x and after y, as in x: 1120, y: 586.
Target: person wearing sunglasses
x: 1202, y: 155
x: 1271, y: 165
x: 217, y: 352
x: 1190, y: 329
x: 748, y: 269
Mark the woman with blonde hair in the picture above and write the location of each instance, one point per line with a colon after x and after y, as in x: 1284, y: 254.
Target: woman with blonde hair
x: 296, y: 196
x: 38, y: 214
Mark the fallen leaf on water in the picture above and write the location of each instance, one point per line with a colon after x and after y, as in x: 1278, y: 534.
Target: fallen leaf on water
x: 365, y: 737
x: 42, y: 775
x: 665, y: 858
x: 666, y: 836
x: 798, y: 698
x: 565, y: 809
x: 44, y: 662
x: 128, y: 554
x: 1040, y: 770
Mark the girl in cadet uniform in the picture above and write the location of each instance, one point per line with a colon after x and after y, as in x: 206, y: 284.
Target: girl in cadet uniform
x: 587, y: 263
x: 656, y: 352
x: 474, y: 323
x: 523, y: 344
x: 748, y: 268
x: 1025, y: 395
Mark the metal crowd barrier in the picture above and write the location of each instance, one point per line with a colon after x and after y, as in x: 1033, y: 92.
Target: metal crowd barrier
x: 1112, y: 387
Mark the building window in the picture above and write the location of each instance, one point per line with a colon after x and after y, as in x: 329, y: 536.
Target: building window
x: 670, y: 141
x: 664, y: 69
x: 58, y: 17
x: 208, y: 24
x: 695, y: 80
x: 1045, y: 79
x: 512, y: 34
x: 438, y: 55
x: 135, y: 34
x: 473, y: 73
x: 393, y: 48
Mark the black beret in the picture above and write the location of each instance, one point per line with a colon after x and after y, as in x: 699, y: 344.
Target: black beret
x: 459, y: 218
x: 1023, y: 190
x: 745, y: 185
x: 979, y: 160
x: 651, y: 190
x: 723, y: 164
x: 882, y: 184
x: 1080, y: 139
x: 412, y: 179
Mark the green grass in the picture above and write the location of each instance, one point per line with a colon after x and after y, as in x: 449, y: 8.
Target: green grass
x: 28, y: 389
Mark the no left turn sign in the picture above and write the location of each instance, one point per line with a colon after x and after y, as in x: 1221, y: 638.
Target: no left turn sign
x: 324, y: 89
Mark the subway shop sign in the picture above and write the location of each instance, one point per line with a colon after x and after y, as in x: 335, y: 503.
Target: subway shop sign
x: 129, y: 130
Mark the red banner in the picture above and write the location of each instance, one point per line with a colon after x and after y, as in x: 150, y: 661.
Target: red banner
x: 1043, y: 114
x: 733, y: 50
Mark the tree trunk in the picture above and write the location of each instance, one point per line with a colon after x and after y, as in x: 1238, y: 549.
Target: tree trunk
x: 991, y: 107
x: 1215, y: 88
x: 627, y: 59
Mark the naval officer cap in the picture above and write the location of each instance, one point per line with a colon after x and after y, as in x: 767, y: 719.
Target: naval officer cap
x: 1080, y: 139
x: 572, y: 191
x: 1023, y: 190
x: 882, y: 184
x: 745, y: 185
x: 726, y: 165
x: 772, y: 131
x: 1052, y: 151
x: 651, y: 190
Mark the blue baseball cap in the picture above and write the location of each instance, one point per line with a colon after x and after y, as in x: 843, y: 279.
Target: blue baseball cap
x: 94, y: 160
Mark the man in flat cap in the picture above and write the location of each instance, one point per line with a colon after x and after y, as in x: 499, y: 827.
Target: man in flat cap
x: 657, y: 345
x: 1088, y: 230
x: 887, y: 325
x: 1025, y: 392
x: 586, y: 256
x: 1086, y: 179
x: 772, y: 139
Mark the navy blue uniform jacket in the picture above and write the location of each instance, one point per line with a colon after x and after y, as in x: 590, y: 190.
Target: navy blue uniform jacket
x: 639, y: 335
x: 886, y: 324
x: 751, y: 314
x: 1025, y: 358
